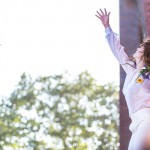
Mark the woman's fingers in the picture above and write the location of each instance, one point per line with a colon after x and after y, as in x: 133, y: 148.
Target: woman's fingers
x: 99, y: 14
x: 105, y: 11
x: 102, y: 12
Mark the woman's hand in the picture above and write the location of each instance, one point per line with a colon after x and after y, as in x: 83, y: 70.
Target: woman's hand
x: 104, y: 17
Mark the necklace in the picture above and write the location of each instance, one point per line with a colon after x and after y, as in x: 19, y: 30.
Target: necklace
x: 143, y: 74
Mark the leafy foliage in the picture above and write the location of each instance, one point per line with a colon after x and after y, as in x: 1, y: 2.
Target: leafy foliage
x: 55, y: 113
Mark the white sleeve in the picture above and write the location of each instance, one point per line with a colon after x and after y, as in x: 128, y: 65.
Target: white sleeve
x: 118, y: 50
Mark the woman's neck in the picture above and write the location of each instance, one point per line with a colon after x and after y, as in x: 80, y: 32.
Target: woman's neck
x: 139, y: 64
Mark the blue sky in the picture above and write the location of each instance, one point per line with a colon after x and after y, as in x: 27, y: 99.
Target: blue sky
x: 45, y: 37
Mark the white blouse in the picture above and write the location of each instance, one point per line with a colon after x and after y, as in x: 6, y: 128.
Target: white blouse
x: 137, y: 95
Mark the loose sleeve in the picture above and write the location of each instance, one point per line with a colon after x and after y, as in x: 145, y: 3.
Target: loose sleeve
x: 118, y: 50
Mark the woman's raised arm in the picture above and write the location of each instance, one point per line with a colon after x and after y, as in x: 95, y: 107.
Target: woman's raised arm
x: 114, y: 42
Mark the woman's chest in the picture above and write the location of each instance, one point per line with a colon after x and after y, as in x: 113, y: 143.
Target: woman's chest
x: 133, y: 87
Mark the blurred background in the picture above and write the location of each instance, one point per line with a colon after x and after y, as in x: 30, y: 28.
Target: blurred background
x: 59, y: 80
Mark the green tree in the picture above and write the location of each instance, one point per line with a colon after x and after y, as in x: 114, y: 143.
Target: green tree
x: 55, y: 113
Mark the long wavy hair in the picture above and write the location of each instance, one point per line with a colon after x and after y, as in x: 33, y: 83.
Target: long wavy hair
x: 146, y: 54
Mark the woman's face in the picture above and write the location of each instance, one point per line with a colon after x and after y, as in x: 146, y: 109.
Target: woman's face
x: 139, y: 52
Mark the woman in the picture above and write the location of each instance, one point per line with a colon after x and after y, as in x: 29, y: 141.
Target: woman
x: 136, y: 87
